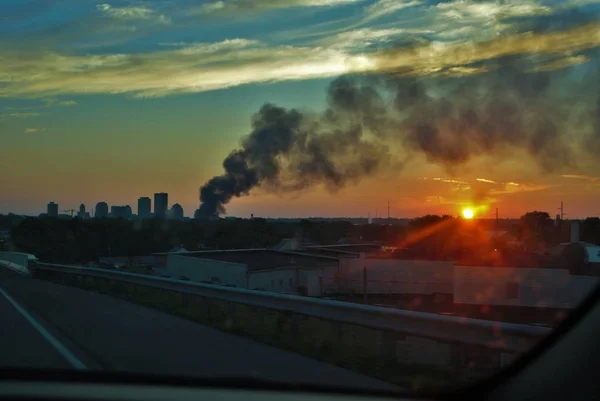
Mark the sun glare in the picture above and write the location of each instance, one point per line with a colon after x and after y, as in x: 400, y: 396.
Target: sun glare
x: 468, y: 213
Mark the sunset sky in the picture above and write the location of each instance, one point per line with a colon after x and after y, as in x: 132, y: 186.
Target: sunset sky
x: 114, y: 101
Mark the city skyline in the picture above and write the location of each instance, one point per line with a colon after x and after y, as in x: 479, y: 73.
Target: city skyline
x: 101, y: 208
x: 160, y: 94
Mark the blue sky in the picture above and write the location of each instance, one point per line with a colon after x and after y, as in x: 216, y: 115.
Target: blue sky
x: 120, y: 99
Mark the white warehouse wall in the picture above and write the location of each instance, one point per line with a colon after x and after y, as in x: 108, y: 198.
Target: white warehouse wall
x: 393, y: 276
x: 511, y: 286
x: 288, y: 279
x: 199, y: 269
x: 280, y: 280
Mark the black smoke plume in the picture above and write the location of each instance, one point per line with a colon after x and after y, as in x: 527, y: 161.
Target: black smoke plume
x: 552, y: 115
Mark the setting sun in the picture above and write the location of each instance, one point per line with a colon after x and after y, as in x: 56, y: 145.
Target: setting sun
x: 468, y: 213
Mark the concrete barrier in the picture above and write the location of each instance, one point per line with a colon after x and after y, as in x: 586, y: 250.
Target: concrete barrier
x: 399, y: 346
x: 16, y: 261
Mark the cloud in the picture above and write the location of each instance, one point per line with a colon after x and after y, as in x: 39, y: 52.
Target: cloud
x: 209, y: 66
x: 132, y: 13
x: 562, y: 62
x: 450, y: 180
x: 364, y: 37
x: 486, y: 180
x: 6, y: 116
x: 51, y: 102
x: 580, y: 177
x: 488, y: 11
x: 249, y: 5
x: 387, y: 7
x: 33, y: 130
x: 438, y: 57
x: 513, y: 187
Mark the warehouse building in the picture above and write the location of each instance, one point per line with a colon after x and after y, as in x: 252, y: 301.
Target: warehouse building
x: 258, y: 269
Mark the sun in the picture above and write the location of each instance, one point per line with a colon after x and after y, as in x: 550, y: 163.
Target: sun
x: 468, y: 213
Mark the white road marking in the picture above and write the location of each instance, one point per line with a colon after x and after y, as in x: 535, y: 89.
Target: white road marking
x: 72, y: 359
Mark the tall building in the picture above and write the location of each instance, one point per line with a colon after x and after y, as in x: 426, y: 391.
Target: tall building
x: 176, y: 212
x: 101, y: 210
x: 161, y: 201
x: 144, y: 207
x: 52, y: 209
x: 121, y: 212
x: 82, y: 214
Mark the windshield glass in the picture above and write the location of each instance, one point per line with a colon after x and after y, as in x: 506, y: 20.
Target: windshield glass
x: 379, y: 194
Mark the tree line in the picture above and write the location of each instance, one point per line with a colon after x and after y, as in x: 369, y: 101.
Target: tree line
x: 431, y: 236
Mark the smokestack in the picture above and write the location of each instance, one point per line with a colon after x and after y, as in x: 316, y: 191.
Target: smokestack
x: 574, y: 230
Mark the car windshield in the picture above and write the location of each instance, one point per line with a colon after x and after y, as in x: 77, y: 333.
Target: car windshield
x: 395, y: 195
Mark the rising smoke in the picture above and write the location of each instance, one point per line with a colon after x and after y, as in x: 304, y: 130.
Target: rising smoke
x: 553, y: 115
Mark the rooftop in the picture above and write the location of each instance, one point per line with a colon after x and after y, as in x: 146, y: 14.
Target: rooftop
x: 263, y: 259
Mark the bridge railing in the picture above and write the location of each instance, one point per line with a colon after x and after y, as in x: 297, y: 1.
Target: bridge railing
x: 393, y: 344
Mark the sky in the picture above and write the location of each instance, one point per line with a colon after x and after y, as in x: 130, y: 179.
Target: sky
x: 430, y: 105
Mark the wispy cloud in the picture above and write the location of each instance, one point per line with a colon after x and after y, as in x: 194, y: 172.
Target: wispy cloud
x: 486, y: 180
x: 132, y: 13
x: 387, y: 7
x: 450, y: 180
x: 580, y: 177
x: 208, y: 66
x: 562, y: 62
x: 52, y: 102
x: 32, y: 130
x: 6, y: 116
x: 490, y: 11
x: 222, y: 6
x: 514, y: 187
x: 364, y: 37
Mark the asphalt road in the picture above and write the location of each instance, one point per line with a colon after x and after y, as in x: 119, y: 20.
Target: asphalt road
x: 47, y: 325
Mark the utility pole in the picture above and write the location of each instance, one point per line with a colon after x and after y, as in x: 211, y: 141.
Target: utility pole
x: 388, y: 210
x: 562, y: 211
x: 365, y: 284
x: 496, y: 221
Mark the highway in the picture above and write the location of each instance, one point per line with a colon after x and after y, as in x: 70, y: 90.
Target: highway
x: 46, y: 325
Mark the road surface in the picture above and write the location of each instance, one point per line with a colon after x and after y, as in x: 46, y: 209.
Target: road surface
x: 46, y: 325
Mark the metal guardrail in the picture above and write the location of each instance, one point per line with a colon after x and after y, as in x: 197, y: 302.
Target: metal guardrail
x: 506, y: 337
x: 16, y: 267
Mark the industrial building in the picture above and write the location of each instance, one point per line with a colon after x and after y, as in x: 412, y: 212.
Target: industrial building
x: 572, y: 270
x: 258, y: 269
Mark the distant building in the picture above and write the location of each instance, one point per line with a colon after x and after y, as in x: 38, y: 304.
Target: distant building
x: 101, y: 210
x: 161, y: 201
x: 52, y: 209
x: 176, y: 212
x: 123, y: 212
x: 144, y: 207
x: 82, y: 214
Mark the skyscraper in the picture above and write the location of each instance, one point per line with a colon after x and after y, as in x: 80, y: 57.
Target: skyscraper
x: 144, y: 207
x: 82, y: 214
x: 52, y: 209
x: 161, y: 201
x: 101, y: 210
x: 176, y: 212
x: 122, y: 212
